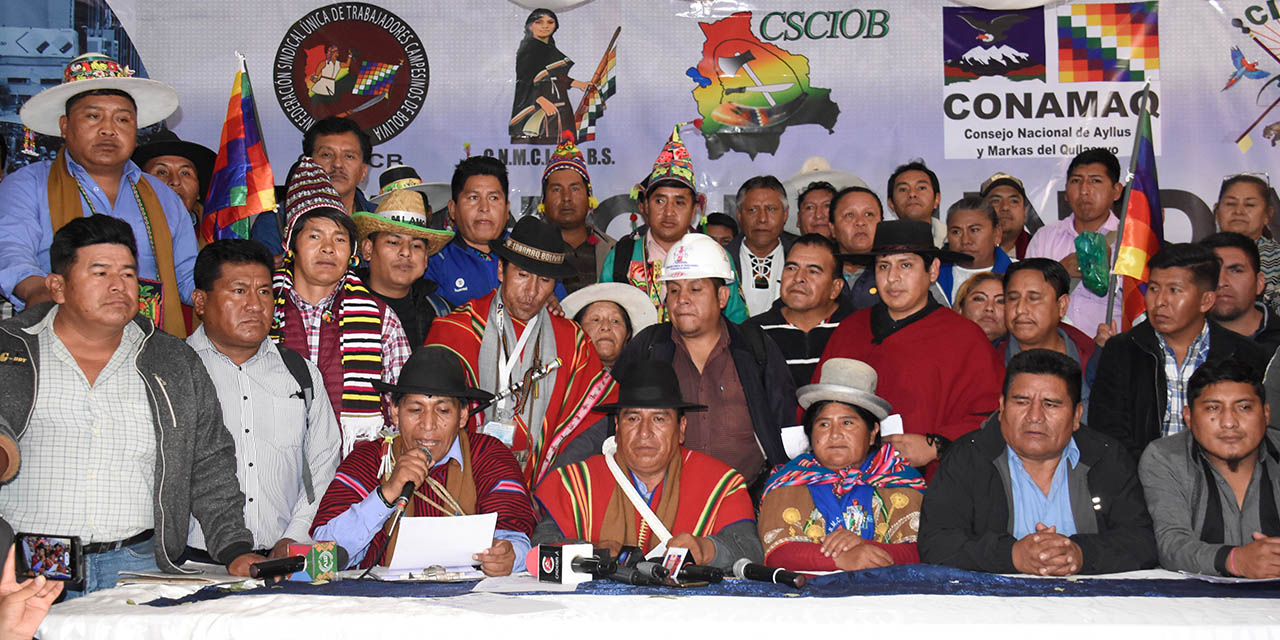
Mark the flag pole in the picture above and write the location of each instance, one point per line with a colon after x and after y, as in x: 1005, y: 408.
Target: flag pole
x: 1124, y: 204
x: 586, y: 95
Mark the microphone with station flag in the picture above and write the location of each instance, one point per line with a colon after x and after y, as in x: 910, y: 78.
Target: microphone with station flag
x: 569, y: 563
x: 748, y: 570
x: 679, y: 562
x: 305, y: 563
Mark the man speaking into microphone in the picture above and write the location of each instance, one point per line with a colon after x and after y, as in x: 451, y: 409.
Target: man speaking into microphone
x: 452, y: 472
x: 650, y: 490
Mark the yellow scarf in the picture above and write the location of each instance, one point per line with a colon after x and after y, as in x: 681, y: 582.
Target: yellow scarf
x: 65, y: 206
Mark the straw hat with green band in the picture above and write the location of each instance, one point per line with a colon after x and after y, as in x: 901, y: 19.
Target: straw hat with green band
x: 402, y: 211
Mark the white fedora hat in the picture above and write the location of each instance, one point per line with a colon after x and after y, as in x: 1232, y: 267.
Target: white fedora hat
x: 815, y: 169
x: 92, y: 71
x: 633, y: 301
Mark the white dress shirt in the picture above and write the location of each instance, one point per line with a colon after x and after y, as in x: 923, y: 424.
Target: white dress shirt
x: 263, y: 409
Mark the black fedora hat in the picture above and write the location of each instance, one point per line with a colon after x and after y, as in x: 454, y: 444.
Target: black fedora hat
x: 167, y: 143
x: 400, y: 176
x: 649, y: 384
x: 434, y: 371
x: 536, y: 247
x: 905, y: 236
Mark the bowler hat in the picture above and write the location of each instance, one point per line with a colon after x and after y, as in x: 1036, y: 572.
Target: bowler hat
x: 849, y: 381
x: 536, y: 247
x: 649, y: 384
x: 905, y: 236
x: 434, y: 371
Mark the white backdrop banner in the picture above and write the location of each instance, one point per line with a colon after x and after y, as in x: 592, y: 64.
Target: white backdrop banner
x: 762, y: 85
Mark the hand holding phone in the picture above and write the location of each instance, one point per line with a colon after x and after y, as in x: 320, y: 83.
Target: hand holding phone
x: 54, y: 557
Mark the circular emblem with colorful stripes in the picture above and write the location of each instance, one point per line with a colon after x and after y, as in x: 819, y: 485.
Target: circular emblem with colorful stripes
x: 354, y: 60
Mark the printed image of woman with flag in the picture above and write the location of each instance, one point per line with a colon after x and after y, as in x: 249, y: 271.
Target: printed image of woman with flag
x: 541, y: 109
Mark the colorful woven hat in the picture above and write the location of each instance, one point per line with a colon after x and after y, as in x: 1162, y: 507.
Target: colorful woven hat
x: 309, y: 189
x: 402, y: 211
x: 568, y: 156
x: 91, y: 71
x: 673, y: 166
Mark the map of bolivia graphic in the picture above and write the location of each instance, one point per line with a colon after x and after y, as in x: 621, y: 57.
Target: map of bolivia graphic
x: 750, y: 91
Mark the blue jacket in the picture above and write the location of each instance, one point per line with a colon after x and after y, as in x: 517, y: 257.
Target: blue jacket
x: 464, y: 274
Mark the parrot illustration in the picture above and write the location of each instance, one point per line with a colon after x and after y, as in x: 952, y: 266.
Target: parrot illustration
x: 1244, y: 68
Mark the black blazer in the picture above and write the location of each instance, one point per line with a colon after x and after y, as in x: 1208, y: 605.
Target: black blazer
x: 966, y: 517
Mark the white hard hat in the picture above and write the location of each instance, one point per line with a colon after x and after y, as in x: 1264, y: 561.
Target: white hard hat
x: 695, y: 256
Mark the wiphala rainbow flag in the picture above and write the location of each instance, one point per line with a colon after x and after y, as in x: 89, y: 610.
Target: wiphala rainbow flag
x: 374, y: 78
x: 1117, y: 42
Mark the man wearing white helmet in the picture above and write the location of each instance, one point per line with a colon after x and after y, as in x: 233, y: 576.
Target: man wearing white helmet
x: 737, y: 371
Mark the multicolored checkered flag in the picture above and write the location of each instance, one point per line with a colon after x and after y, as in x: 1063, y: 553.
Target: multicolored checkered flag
x: 603, y: 85
x: 375, y: 78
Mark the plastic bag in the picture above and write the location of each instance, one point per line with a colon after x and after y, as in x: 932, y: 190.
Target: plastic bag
x: 1091, y: 256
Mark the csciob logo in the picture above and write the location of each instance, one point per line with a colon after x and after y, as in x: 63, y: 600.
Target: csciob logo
x: 819, y: 25
x: 353, y: 60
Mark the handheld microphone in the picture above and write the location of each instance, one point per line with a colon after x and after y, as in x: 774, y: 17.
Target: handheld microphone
x: 305, y: 563
x: 407, y: 492
x: 633, y: 576
x: 701, y: 573
x: 652, y: 570
x: 593, y: 566
x: 749, y: 570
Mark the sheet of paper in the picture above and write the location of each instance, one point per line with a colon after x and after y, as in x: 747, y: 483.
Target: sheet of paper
x: 444, y: 541
x: 794, y: 441
x: 1225, y: 579
x: 205, y: 574
x: 891, y: 426
x: 450, y: 574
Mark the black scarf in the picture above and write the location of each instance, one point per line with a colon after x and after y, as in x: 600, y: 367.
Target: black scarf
x: 1269, y: 518
x: 883, y: 326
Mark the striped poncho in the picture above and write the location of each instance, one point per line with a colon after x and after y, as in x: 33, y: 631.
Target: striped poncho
x: 581, y: 382
x: 700, y: 496
x: 498, y: 489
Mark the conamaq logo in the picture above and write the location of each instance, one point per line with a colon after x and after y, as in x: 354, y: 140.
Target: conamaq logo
x: 854, y: 23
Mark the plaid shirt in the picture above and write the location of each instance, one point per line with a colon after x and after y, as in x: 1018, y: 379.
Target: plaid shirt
x: 1176, y: 378
x: 89, y: 453
x: 395, y: 346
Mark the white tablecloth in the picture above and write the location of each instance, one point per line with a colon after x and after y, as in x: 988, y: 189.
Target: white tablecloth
x: 107, y: 614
